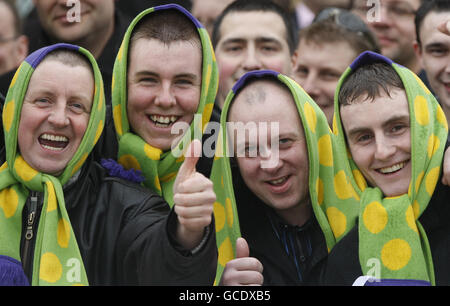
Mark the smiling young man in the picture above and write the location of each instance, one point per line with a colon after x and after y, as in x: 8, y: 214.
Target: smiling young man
x: 400, y: 235
x: 433, y: 48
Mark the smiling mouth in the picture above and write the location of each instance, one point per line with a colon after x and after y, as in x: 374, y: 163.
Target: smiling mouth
x: 279, y: 181
x: 392, y: 169
x: 53, y: 142
x: 163, y: 121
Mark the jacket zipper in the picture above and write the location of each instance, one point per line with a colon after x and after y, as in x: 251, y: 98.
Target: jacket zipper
x: 29, y: 233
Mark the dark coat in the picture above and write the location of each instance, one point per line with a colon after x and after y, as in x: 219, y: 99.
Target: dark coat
x: 125, y: 234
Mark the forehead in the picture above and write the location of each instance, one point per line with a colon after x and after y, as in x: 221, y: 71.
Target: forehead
x: 252, y: 25
x: 180, y: 55
x: 429, y: 27
x: 336, y: 55
x: 413, y: 3
x: 264, y: 101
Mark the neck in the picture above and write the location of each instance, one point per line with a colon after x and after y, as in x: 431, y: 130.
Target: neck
x: 96, y: 43
x: 297, y: 215
x: 414, y: 65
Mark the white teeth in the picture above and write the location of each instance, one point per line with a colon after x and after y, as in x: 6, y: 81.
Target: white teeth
x: 163, y: 119
x: 54, y: 137
x: 52, y: 148
x: 392, y: 168
x: 279, y: 181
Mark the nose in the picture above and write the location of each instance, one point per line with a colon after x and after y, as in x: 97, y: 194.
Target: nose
x: 380, y: 17
x: 58, y: 116
x: 384, y: 148
x: 270, y: 160
x: 310, y: 85
x: 165, y: 97
x: 251, y: 60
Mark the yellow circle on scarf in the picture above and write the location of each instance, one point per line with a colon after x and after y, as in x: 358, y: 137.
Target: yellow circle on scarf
x: 359, y: 179
x: 24, y: 170
x: 51, y: 268
x: 229, y: 210
x: 396, y: 254
x: 410, y: 218
x: 421, y: 110
x: 226, y: 252
x: 129, y: 162
x: 117, y: 115
x: 319, y: 188
x: 337, y: 220
x: 151, y: 152
x: 431, y: 180
x: 8, y: 115
x: 51, y: 197
x: 9, y: 200
x: 440, y: 116
x: 375, y: 217
x: 342, y: 188
x: 433, y: 145
x: 63, y: 233
x: 219, y: 216
x: 325, y: 150
x: 310, y: 115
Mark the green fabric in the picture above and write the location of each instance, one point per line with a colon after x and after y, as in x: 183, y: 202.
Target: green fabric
x: 328, y: 178
x: 389, y: 230
x: 56, y: 248
x: 159, y: 168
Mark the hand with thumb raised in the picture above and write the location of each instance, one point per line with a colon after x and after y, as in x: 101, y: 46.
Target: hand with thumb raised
x: 193, y: 198
x: 243, y: 270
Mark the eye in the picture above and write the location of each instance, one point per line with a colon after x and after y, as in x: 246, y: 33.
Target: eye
x: 363, y: 138
x: 329, y: 75
x: 437, y: 52
x: 42, y: 101
x: 285, y: 142
x: 77, y: 107
x: 302, y: 72
x: 398, y: 128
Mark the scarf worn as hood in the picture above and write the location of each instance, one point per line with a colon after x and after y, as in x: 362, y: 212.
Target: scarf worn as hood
x: 328, y: 179
x: 389, y: 230
x: 56, y: 249
x: 159, y: 168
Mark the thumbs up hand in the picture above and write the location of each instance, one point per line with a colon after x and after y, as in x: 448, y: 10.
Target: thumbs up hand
x: 194, y: 198
x: 243, y: 270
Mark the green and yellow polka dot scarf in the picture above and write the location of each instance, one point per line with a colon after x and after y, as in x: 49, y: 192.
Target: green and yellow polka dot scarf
x: 389, y: 230
x: 56, y: 249
x: 160, y: 168
x: 329, y: 181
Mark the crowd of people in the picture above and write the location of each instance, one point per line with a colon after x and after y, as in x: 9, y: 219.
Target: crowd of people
x: 327, y: 123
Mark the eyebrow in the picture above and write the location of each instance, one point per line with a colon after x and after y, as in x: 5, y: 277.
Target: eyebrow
x: 436, y: 45
x: 264, y: 39
x: 144, y: 73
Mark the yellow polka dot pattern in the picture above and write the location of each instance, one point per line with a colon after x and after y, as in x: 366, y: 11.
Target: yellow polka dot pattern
x: 160, y: 168
x: 326, y: 169
x: 388, y: 226
x: 54, y: 237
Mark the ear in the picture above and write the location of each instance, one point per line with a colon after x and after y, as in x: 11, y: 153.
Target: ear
x: 21, y: 48
x: 418, y: 51
x: 294, y: 59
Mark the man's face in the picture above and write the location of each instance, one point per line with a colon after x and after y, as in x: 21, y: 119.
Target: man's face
x: 283, y: 184
x: 434, y: 54
x: 12, y: 49
x: 393, y: 23
x: 55, y: 115
x: 250, y: 41
x: 380, y: 145
x: 317, y: 68
x: 95, y: 16
x: 207, y: 11
x: 164, y: 87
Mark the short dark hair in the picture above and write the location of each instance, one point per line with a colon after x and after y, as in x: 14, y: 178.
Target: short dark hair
x: 262, y: 6
x: 369, y: 80
x: 166, y: 26
x: 327, y: 31
x: 426, y: 8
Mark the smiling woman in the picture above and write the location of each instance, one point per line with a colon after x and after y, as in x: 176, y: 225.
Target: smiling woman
x: 56, y: 111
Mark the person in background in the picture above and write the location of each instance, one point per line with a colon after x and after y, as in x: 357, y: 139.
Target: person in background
x: 326, y: 48
x: 433, y: 49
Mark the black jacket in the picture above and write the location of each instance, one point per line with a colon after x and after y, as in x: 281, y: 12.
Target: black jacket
x: 343, y: 266
x: 125, y: 235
